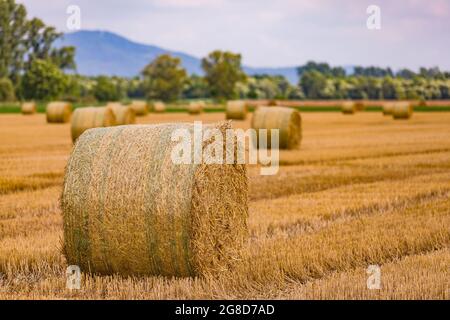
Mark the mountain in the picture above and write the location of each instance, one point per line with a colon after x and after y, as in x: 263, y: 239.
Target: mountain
x: 106, y: 53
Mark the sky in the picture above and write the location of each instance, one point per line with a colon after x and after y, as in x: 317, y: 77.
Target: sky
x: 274, y: 33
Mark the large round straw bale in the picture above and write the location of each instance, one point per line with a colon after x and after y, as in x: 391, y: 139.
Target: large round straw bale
x: 58, y: 112
x: 28, y: 108
x: 287, y: 120
x: 124, y: 115
x: 402, y: 110
x: 91, y: 117
x: 388, y: 108
x: 140, y: 107
x: 196, y: 107
x: 129, y: 209
x: 159, y: 107
x: 236, y: 110
x: 348, y: 107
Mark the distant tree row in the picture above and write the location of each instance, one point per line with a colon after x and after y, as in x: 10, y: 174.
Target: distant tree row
x: 320, y: 81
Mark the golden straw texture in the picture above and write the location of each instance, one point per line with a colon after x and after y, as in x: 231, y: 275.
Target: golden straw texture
x: 59, y: 112
x: 348, y: 107
x: 140, y: 107
x: 114, y: 104
x: 359, y: 105
x: 159, y: 107
x: 123, y: 114
x: 287, y: 120
x: 196, y: 107
x: 236, y: 110
x: 28, y: 108
x: 388, y: 108
x: 128, y: 209
x: 402, y: 110
x: 91, y: 117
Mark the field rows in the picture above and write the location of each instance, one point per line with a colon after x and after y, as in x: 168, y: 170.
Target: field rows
x: 361, y: 191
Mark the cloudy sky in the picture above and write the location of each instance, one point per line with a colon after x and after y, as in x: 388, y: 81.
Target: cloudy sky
x: 274, y: 33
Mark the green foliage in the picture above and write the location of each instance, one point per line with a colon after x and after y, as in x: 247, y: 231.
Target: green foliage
x: 106, y: 89
x: 196, y: 87
x: 321, y: 67
x: 43, y: 81
x: 6, y: 90
x: 313, y: 84
x: 267, y: 87
x: 164, y: 78
x: 22, y: 41
x: 372, y: 72
x: 13, y: 34
x: 223, y: 71
x: 64, y: 57
x: 135, y: 88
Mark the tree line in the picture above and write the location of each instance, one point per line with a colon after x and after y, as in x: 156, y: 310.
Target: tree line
x: 33, y: 67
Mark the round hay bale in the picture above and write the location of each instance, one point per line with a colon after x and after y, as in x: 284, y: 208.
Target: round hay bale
x: 140, y: 107
x: 402, y: 110
x: 128, y: 209
x: 114, y: 104
x: 196, y: 107
x: 91, y: 117
x: 124, y: 115
x: 159, y: 107
x: 360, y: 106
x: 348, y: 107
x: 287, y: 120
x: 236, y: 110
x: 28, y: 108
x: 388, y: 108
x: 58, y: 112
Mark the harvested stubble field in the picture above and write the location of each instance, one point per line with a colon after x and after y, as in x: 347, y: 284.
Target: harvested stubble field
x: 362, y: 190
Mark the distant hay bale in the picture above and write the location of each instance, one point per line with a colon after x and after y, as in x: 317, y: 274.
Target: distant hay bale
x: 140, y: 107
x: 28, y: 108
x: 388, y: 108
x: 196, y: 107
x: 159, y: 107
x: 114, y: 104
x: 287, y: 120
x: 91, y: 117
x: 58, y: 112
x: 402, y: 110
x: 348, y: 107
x: 236, y: 110
x: 129, y: 210
x: 359, y: 105
x: 124, y: 115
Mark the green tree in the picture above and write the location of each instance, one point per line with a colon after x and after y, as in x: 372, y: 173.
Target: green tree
x: 64, y: 58
x: 22, y: 41
x: 6, y: 90
x: 164, y: 78
x: 13, y: 34
x: 223, y: 71
x: 392, y: 89
x: 196, y: 87
x: 106, y: 90
x: 43, y: 81
x: 313, y: 84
